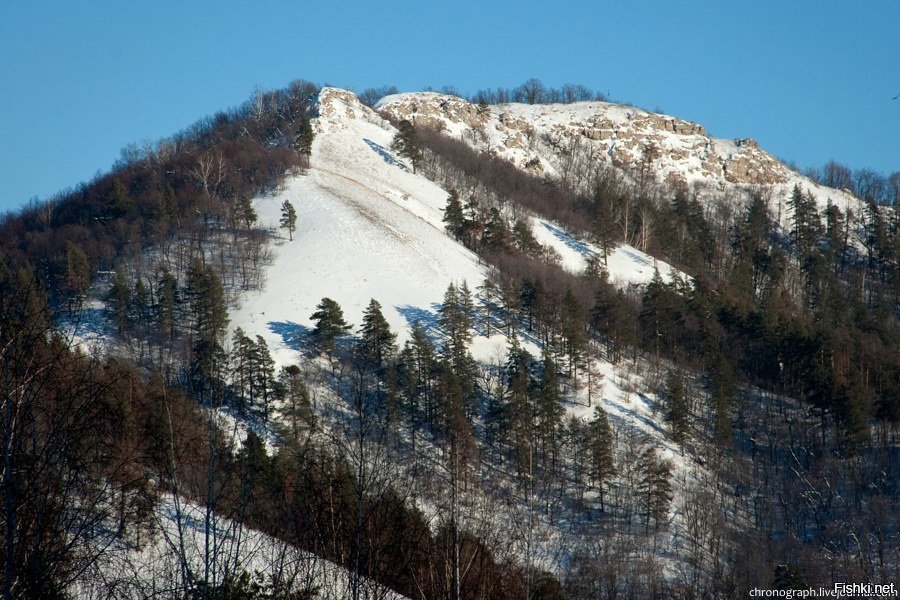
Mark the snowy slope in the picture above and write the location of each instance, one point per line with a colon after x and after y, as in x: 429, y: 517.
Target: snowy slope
x: 366, y: 228
x: 128, y: 571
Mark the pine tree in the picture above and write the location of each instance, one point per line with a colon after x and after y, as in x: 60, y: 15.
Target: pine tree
x: 655, y: 487
x: 600, y: 447
x: 723, y: 396
x: 297, y: 411
x: 265, y: 384
x: 677, y: 414
x: 288, y: 218
x: 209, y: 319
x: 245, y: 212
x: 377, y: 342
x: 521, y: 410
x: 524, y: 239
x: 454, y: 219
x: 573, y: 329
x: 118, y: 202
x: 406, y: 143
x: 241, y: 361
x: 330, y: 324
x: 169, y: 208
x: 303, y: 141
x: 167, y: 300
x: 118, y: 301
x: 78, y: 276
x: 495, y: 237
x: 549, y: 407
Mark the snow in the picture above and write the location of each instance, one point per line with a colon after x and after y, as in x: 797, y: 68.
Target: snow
x: 134, y: 571
x: 366, y: 228
x: 625, y: 265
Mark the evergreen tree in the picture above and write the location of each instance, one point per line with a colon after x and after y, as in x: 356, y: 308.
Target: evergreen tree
x: 454, y: 218
x: 574, y: 333
x: 78, y: 276
x: 549, y: 407
x: 118, y: 202
x: 303, y: 141
x: 677, y: 414
x: 209, y: 319
x: 242, y: 365
x: 167, y: 300
x: 265, y: 385
x: 495, y: 237
x: 288, y: 218
x: 601, y: 449
x: 118, y: 302
x: 417, y: 366
x: 655, y: 487
x: 406, y: 143
x: 524, y: 239
x: 723, y: 396
x: 245, y: 212
x: 169, y: 208
x: 521, y: 410
x: 330, y: 324
x: 455, y: 319
x: 377, y: 343
x: 297, y: 411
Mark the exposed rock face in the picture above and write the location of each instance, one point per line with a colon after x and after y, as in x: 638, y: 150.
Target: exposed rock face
x: 533, y: 137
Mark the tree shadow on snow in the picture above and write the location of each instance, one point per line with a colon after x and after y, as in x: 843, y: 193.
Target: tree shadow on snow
x: 576, y: 245
x: 294, y: 335
x: 384, y: 154
x: 427, y: 320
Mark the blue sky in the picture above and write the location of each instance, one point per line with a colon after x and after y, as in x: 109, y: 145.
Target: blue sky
x: 79, y: 81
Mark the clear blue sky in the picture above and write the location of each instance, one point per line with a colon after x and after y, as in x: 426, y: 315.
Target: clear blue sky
x: 80, y: 80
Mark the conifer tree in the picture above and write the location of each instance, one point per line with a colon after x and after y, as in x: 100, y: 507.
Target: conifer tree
x: 406, y: 143
x: 549, y: 409
x: 377, y: 343
x: 167, y: 299
x: 601, y: 449
x: 573, y: 329
x: 288, y: 218
x: 495, y: 237
x: 524, y: 239
x: 655, y: 487
x: 169, y: 208
x: 723, y: 396
x: 330, y: 324
x: 265, y: 384
x: 209, y: 319
x: 245, y: 212
x: 78, y: 276
x: 454, y: 218
x: 119, y: 202
x: 297, y: 411
x: 303, y: 141
x: 677, y: 414
x: 242, y: 365
x: 521, y: 410
x: 118, y: 301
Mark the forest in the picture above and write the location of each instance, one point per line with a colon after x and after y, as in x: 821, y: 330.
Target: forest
x: 775, y: 361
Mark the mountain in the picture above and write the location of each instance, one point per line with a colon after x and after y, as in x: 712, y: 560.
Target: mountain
x: 546, y: 351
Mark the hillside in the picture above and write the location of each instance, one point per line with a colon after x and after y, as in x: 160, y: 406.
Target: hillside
x: 503, y: 351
